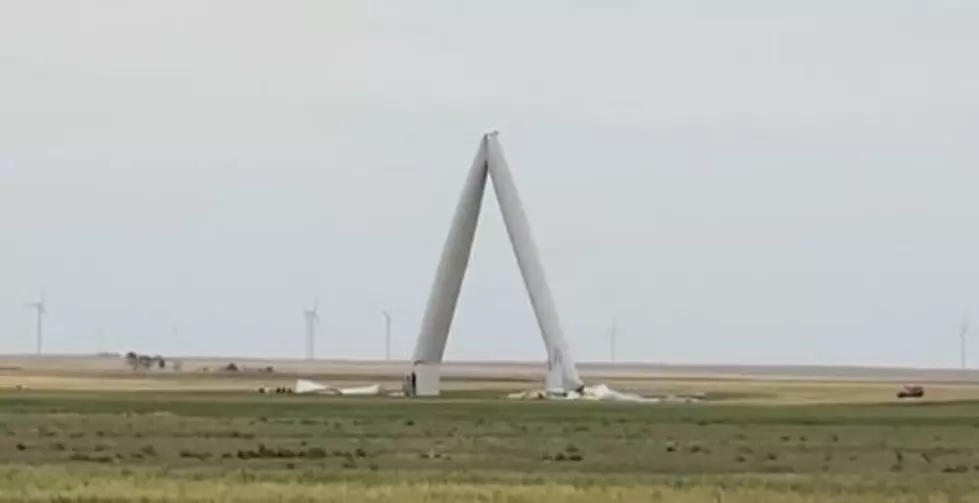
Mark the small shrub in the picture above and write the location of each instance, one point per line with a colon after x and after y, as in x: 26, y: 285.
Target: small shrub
x: 81, y: 456
x: 186, y: 453
x: 285, y: 452
x: 698, y: 449
x: 315, y: 453
x: 961, y: 468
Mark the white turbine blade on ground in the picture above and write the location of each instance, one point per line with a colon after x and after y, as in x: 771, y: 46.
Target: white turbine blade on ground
x: 305, y: 386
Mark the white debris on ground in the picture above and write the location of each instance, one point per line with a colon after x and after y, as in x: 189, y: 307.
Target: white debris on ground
x: 530, y: 395
x: 598, y: 392
x: 304, y: 386
x: 604, y: 393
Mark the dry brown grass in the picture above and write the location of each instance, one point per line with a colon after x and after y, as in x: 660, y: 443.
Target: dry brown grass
x: 54, y: 483
x: 247, y: 447
x: 731, y: 391
x: 106, y: 373
x: 761, y: 391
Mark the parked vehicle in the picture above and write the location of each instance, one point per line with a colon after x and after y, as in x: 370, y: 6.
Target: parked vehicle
x: 911, y: 391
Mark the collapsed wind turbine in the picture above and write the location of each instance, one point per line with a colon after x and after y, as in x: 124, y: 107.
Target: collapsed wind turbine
x: 489, y: 163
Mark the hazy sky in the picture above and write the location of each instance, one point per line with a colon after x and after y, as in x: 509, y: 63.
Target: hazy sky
x: 748, y: 182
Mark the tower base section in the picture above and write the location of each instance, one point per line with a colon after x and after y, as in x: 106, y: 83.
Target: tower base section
x: 424, y: 380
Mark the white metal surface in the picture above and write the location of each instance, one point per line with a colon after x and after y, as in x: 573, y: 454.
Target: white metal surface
x: 440, y: 309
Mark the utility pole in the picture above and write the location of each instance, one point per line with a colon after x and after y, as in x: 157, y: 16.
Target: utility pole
x: 387, y: 334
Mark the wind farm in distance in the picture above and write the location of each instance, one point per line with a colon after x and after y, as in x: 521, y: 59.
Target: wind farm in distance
x: 575, y: 426
x: 110, y: 370
x: 519, y: 252
x: 559, y: 374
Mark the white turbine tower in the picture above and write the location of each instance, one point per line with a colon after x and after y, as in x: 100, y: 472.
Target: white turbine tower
x: 40, y: 310
x: 312, y: 319
x: 387, y: 334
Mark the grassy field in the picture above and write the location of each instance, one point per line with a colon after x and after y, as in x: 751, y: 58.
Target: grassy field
x: 223, y: 446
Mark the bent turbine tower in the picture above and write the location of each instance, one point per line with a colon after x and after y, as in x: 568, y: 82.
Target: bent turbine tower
x: 489, y: 162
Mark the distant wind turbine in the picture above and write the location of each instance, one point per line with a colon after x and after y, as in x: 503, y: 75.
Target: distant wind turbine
x: 312, y: 319
x: 40, y: 309
x: 100, y: 341
x: 963, y: 343
x: 612, y: 334
x: 387, y: 334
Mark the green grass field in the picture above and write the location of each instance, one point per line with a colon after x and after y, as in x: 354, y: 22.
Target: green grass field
x: 128, y: 446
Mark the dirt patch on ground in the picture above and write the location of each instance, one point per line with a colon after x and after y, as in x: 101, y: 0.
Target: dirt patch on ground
x: 106, y: 373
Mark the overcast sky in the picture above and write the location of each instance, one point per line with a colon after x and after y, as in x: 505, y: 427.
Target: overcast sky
x: 745, y: 182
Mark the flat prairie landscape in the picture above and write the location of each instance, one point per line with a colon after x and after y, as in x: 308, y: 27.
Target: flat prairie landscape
x: 94, y: 432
